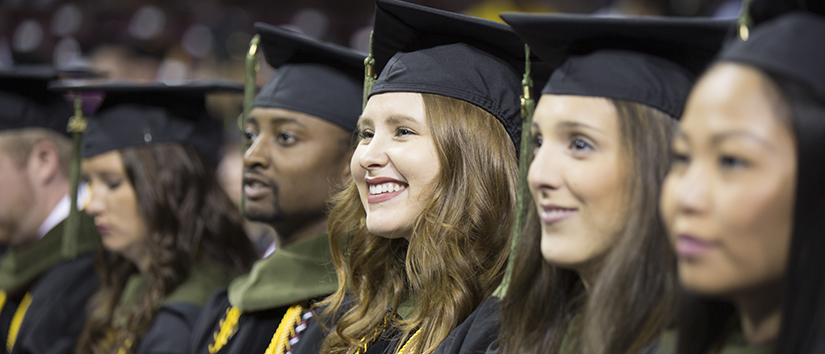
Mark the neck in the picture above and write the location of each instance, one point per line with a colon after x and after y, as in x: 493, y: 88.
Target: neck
x: 588, y: 273
x: 290, y: 233
x: 42, y: 208
x: 760, y: 313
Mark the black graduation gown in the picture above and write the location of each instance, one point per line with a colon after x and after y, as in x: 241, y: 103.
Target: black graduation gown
x: 57, y: 311
x: 172, y: 324
x: 298, y: 273
x: 255, y: 329
x: 477, y: 332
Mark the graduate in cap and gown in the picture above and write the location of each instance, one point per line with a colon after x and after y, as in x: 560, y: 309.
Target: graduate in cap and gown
x: 593, y: 272
x: 420, y: 238
x: 745, y: 199
x: 300, y: 132
x: 47, y: 273
x: 170, y: 234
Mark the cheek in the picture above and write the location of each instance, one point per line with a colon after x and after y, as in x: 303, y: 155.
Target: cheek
x: 756, y: 228
x: 125, y: 200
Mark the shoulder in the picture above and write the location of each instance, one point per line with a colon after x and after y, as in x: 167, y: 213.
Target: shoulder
x: 170, y: 329
x: 477, y: 332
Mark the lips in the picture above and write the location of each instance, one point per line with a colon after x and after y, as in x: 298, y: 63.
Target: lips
x: 551, y: 213
x: 256, y: 187
x: 691, y: 247
x: 102, y: 230
x: 382, y: 189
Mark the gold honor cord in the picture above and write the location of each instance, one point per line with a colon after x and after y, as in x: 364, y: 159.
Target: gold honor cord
x: 280, y: 341
x: 2, y: 299
x: 228, y: 328
x: 404, y: 349
x: 365, y: 343
x: 17, y: 321
x: 528, y: 105
x: 248, y: 98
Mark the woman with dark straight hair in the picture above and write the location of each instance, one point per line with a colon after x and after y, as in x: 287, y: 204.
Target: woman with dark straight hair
x: 419, y: 239
x: 593, y: 272
x: 170, y: 234
x: 745, y: 199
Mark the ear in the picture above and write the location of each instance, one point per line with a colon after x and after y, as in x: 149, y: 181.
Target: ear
x: 44, y: 163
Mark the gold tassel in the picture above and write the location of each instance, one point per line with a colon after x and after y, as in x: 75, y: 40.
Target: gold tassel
x: 250, y: 79
x: 528, y: 105
x: 745, y: 22
x: 77, y: 125
x: 369, y: 75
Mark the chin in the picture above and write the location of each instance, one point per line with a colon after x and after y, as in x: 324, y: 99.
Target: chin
x: 705, y: 283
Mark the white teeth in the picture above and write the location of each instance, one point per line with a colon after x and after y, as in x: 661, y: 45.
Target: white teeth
x: 388, y: 187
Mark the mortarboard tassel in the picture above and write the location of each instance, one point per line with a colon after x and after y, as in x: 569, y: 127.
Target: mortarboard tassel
x: 744, y: 22
x: 76, y: 126
x: 248, y: 97
x: 369, y: 75
x: 523, y: 198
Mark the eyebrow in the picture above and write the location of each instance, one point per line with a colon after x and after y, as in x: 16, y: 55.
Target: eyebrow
x: 400, y: 118
x: 717, y: 139
x: 362, y: 120
x: 276, y: 120
x: 570, y: 125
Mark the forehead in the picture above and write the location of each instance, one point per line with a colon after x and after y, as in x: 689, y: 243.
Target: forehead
x: 267, y: 116
x: 731, y: 96
x: 107, y: 162
x: 596, y: 112
x: 382, y: 106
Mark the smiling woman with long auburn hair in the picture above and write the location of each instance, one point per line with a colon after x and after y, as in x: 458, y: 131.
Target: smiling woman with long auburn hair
x: 420, y: 237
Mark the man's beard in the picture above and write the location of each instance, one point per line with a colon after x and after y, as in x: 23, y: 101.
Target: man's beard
x: 267, y: 215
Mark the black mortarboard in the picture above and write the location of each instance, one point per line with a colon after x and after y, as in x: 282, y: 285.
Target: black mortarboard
x: 652, y: 61
x: 317, y: 78
x: 136, y: 114
x: 790, y: 46
x: 27, y: 102
x: 425, y: 50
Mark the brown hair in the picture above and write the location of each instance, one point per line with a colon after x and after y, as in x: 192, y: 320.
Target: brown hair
x: 20, y: 143
x: 189, y: 219
x: 632, y: 299
x: 458, y: 250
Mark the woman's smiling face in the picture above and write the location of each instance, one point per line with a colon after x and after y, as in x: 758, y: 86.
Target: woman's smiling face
x: 578, y: 179
x: 395, y: 164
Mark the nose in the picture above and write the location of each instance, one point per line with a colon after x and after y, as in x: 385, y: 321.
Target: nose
x: 255, y: 155
x: 96, y: 205
x: 543, y: 175
x: 372, y: 155
x: 691, y: 189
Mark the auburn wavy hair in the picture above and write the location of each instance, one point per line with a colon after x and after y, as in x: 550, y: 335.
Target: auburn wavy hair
x: 459, y: 247
x: 189, y: 219
x: 633, y: 297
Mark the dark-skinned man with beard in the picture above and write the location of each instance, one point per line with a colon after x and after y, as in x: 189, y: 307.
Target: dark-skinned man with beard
x: 300, y: 136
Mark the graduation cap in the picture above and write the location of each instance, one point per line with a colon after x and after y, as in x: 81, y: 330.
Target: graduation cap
x: 28, y: 103
x: 789, y: 46
x: 136, y: 114
x: 653, y: 61
x: 425, y: 50
x: 314, y: 77
x: 755, y: 12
